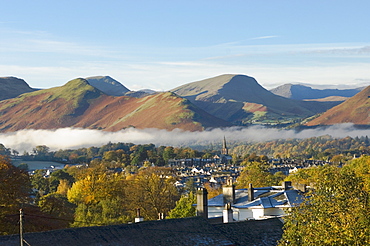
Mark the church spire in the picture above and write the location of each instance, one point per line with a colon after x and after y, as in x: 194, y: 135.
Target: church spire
x: 225, y: 150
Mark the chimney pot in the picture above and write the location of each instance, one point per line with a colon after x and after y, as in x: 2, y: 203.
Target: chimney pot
x: 138, y: 216
x: 228, y: 191
x: 227, y: 213
x: 202, y: 202
x: 250, y: 193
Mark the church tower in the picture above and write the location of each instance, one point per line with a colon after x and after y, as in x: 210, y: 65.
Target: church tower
x: 225, y: 150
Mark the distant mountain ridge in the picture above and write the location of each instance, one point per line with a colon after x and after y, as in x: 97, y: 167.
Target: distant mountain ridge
x: 240, y: 99
x: 101, y: 102
x: 108, y: 85
x: 12, y: 87
x: 78, y: 104
x: 302, y: 92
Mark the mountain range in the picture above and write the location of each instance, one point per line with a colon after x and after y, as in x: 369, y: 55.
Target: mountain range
x: 302, y: 92
x: 240, y: 99
x: 101, y: 102
x: 78, y: 104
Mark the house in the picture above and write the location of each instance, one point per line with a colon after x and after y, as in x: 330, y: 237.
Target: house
x: 248, y: 204
x: 186, y: 231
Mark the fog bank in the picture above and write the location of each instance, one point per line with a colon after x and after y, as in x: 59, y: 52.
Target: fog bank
x: 71, y: 138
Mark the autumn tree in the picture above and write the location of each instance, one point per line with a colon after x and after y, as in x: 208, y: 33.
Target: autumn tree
x: 212, y: 189
x: 100, y: 199
x: 361, y: 167
x: 153, y: 191
x: 15, y: 190
x: 118, y: 156
x: 257, y: 173
x: 336, y: 212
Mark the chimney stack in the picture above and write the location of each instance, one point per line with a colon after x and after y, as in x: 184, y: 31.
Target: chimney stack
x: 138, y: 217
x: 227, y: 214
x: 228, y: 192
x: 202, y: 202
x: 161, y: 216
x: 287, y: 185
x: 250, y: 193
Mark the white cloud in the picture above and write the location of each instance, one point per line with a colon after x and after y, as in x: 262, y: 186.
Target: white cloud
x: 264, y: 37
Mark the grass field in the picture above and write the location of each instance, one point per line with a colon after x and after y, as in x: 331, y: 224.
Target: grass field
x: 34, y: 165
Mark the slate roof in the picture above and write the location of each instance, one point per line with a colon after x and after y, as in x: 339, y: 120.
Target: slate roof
x: 253, y: 232
x: 266, y: 197
x: 187, y: 231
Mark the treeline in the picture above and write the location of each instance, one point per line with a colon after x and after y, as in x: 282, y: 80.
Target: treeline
x: 319, y: 148
x: 119, y: 154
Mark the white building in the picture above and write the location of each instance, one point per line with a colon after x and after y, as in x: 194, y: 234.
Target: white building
x: 252, y: 203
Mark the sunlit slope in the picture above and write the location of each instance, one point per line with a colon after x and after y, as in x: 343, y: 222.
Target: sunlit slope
x: 355, y: 110
x: 78, y: 104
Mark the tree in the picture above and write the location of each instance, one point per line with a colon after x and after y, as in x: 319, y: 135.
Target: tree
x: 153, y: 190
x: 58, y: 175
x: 361, y: 167
x: 212, y: 190
x: 168, y: 153
x: 40, y: 183
x: 63, y: 187
x: 190, y: 185
x: 4, y: 151
x: 100, y: 199
x: 15, y: 190
x: 23, y: 166
x: 336, y: 212
x: 57, y: 205
x: 257, y: 173
x: 41, y: 152
x: 184, y: 207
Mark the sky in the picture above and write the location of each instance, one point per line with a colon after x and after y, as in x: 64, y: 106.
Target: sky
x: 164, y: 44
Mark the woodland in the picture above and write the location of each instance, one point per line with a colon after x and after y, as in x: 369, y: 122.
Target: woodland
x: 112, y: 181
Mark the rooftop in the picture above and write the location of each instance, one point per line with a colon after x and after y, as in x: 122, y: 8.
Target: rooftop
x: 187, y: 231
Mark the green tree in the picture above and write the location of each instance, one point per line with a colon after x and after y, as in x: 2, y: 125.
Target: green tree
x: 23, y: 166
x: 4, y: 151
x: 336, y: 212
x: 168, y: 153
x: 40, y: 183
x: 184, y: 207
x: 41, y: 152
x: 58, y: 175
x: 58, y: 206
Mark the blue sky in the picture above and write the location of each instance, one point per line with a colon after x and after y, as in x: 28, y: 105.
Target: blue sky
x: 163, y: 44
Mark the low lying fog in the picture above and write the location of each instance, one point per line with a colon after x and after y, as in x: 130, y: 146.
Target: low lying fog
x: 72, y: 138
